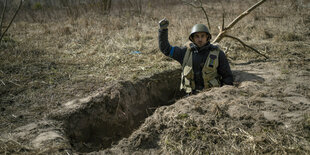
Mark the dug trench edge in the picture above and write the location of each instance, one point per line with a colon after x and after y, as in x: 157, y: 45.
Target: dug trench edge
x: 114, y: 112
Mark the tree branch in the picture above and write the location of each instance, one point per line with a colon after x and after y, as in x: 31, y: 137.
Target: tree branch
x: 223, y: 30
x: 204, y: 11
x: 222, y: 33
x: 20, y: 4
x: 245, y: 45
x: 200, y: 7
x: 244, y: 14
x: 223, y: 17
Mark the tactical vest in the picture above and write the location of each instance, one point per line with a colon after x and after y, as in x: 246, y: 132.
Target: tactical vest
x: 209, y: 71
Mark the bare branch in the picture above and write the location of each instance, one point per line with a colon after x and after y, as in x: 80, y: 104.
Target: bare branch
x: 2, y: 16
x: 20, y: 4
x: 130, y: 3
x: 204, y: 11
x: 2, y: 82
x: 245, y: 45
x: 244, y: 14
x: 222, y: 33
x: 223, y: 17
x: 199, y: 7
x: 223, y: 30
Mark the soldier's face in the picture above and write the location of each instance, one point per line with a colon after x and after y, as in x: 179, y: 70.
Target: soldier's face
x: 200, y: 38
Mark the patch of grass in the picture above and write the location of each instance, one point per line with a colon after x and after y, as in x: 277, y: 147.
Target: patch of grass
x: 306, y: 122
x: 182, y: 116
x: 7, y: 42
x: 285, y: 71
x: 235, y: 140
x: 37, y: 6
x: 287, y: 36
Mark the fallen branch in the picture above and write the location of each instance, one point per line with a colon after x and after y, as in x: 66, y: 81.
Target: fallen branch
x: 245, y: 45
x: 20, y: 4
x: 223, y: 30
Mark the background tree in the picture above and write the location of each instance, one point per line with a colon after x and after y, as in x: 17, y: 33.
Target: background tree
x: 2, y: 18
x: 106, y: 6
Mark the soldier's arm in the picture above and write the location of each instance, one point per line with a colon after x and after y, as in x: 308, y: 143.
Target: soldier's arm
x: 224, y: 70
x: 175, y: 52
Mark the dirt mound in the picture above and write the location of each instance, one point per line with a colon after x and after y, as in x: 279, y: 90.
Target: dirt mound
x: 250, y: 118
x: 97, y: 121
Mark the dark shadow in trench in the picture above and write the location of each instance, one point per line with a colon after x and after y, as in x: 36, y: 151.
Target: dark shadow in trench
x: 121, y: 108
x: 242, y: 76
x: 118, y: 110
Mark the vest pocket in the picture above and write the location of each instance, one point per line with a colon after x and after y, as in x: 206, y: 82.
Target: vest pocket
x: 209, y: 74
x: 187, y: 82
x: 214, y: 83
x: 209, y: 78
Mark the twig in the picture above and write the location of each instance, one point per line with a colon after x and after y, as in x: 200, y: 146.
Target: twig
x: 244, y: 14
x: 130, y: 3
x: 245, y: 45
x: 199, y: 7
x: 15, y: 83
x: 20, y: 4
x: 223, y: 31
x: 2, y: 82
x: 223, y: 15
x: 21, y: 145
x: 204, y: 11
x: 226, y: 51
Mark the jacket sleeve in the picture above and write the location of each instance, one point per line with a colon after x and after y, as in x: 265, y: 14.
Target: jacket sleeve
x: 224, y: 70
x: 175, y: 52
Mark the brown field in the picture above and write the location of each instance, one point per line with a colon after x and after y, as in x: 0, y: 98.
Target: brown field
x: 71, y: 81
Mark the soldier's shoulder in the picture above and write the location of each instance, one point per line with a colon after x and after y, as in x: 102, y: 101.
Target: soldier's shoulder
x: 215, y: 46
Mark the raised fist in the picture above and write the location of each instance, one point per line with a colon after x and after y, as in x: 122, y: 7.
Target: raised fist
x: 163, y: 24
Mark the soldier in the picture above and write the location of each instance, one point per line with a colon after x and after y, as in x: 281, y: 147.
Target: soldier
x: 203, y: 65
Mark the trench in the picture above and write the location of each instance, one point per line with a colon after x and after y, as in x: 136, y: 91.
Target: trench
x: 118, y: 110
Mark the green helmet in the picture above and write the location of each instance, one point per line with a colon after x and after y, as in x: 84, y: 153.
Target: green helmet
x: 199, y: 28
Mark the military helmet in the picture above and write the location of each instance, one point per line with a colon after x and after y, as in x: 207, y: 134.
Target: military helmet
x: 199, y: 28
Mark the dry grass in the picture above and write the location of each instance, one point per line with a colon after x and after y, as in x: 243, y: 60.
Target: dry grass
x: 197, y: 138
x: 221, y: 141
